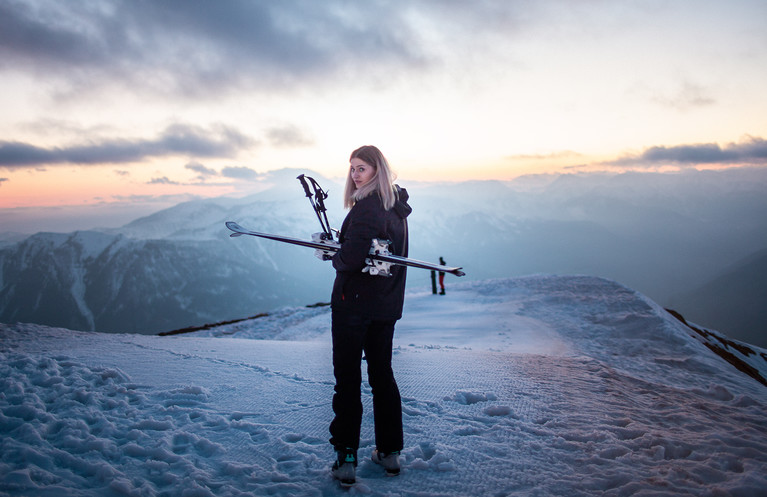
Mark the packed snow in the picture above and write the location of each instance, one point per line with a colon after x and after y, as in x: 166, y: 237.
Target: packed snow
x: 540, y: 386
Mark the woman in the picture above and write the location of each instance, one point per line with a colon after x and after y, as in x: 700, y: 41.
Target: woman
x: 365, y: 309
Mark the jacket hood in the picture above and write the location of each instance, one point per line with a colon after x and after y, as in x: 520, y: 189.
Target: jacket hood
x: 401, y: 207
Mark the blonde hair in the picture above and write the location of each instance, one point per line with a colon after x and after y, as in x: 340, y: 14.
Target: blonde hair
x: 382, y: 181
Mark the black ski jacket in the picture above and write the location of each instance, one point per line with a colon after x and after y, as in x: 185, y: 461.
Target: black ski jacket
x: 377, y: 297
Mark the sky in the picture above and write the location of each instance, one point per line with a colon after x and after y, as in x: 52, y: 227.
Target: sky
x: 121, y: 103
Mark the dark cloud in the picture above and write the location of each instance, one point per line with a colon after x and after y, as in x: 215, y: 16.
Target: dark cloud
x: 15, y: 154
x: 55, y: 35
x: 193, y: 46
x: 2, y: 180
x: 750, y: 151
x: 219, y: 141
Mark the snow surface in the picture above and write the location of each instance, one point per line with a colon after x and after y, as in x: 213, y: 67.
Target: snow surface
x: 529, y: 386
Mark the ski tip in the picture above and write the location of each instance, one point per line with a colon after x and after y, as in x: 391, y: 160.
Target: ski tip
x: 233, y: 226
x: 458, y: 272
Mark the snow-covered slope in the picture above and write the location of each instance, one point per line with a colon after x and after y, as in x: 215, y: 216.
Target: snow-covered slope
x: 533, y: 386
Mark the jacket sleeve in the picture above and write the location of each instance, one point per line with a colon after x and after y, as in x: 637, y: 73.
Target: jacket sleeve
x: 362, y: 228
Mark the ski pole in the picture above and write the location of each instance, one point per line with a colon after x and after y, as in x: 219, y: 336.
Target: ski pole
x: 320, y: 196
x: 319, y: 206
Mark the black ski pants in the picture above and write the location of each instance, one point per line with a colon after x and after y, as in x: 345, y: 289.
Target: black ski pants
x: 354, y: 334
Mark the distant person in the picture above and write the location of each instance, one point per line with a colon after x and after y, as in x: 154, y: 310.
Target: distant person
x: 442, y: 278
x: 365, y: 309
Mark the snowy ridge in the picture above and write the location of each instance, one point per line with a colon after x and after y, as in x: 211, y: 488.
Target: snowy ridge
x: 743, y: 356
x: 542, y: 385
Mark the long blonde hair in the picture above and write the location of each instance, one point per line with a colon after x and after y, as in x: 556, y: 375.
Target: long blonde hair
x: 382, y: 182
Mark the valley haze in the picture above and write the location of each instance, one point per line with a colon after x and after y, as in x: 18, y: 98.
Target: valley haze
x: 672, y: 236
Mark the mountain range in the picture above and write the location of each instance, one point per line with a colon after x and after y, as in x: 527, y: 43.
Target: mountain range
x: 681, y: 238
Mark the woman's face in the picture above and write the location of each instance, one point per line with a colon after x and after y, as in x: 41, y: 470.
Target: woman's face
x: 361, y: 172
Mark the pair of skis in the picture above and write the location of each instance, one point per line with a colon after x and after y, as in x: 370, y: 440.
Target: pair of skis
x: 380, y: 259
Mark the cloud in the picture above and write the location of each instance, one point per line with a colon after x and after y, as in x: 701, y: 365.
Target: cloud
x: 183, y: 48
x: 239, y: 172
x: 562, y: 154
x: 200, y: 169
x: 2, y: 180
x: 288, y: 136
x: 686, y: 97
x: 752, y: 150
x: 50, y: 33
x: 161, y: 181
x: 168, y: 199
x: 194, y: 47
x: 218, y: 141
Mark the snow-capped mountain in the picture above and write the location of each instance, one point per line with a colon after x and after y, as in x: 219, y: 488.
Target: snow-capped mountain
x: 663, y: 234
x: 98, y: 281
x: 543, y: 385
x: 172, y: 269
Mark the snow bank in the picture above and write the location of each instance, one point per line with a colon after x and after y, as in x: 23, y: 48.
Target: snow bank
x: 531, y: 386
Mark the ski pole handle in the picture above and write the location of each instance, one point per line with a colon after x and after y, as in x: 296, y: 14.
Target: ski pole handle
x: 302, y: 179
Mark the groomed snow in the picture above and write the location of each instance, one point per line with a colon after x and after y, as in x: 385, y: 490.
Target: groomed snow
x: 531, y: 386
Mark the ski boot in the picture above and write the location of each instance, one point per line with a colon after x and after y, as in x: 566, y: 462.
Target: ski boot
x: 389, y: 461
x: 344, y: 468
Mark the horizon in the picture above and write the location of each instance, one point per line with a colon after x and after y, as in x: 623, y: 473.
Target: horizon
x: 115, y: 214
x: 122, y: 104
